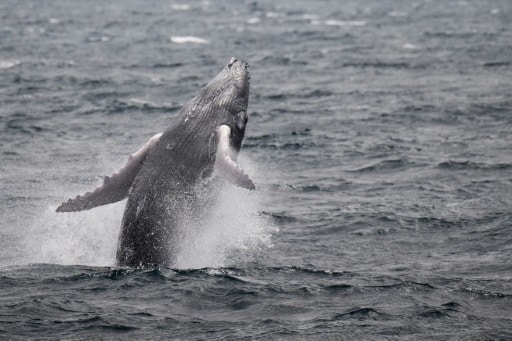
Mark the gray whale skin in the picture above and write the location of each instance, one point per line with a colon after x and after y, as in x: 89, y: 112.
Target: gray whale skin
x: 162, y: 179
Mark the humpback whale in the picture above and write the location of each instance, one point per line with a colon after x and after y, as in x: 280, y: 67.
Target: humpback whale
x: 165, y: 181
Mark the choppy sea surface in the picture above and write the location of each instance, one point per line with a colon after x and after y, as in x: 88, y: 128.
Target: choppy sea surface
x: 379, y: 139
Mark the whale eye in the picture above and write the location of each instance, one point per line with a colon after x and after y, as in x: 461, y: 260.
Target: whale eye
x: 240, y: 122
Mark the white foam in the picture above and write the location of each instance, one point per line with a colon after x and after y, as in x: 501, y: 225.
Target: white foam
x: 397, y: 14
x: 339, y: 23
x: 139, y: 101
x: 181, y: 7
x: 188, y: 39
x: 310, y: 17
x: 7, y: 64
x: 273, y: 15
x: 410, y: 47
x: 252, y: 21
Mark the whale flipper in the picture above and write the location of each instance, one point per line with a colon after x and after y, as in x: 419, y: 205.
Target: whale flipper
x: 115, y: 187
x: 224, y: 166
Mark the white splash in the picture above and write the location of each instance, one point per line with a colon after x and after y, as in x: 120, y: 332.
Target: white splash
x: 234, y: 232
x: 235, y: 229
x: 87, y: 238
x: 188, y: 39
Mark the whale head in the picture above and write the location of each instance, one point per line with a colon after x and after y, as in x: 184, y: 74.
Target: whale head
x: 224, y: 100
x: 230, y: 88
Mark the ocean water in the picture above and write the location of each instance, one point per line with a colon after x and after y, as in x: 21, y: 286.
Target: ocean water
x: 379, y: 139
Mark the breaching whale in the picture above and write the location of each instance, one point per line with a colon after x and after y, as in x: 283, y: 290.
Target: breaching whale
x: 166, y: 179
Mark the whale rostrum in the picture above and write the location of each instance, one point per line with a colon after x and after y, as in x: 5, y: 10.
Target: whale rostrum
x: 163, y: 178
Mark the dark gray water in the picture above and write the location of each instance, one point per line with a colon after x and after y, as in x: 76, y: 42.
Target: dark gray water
x: 379, y: 140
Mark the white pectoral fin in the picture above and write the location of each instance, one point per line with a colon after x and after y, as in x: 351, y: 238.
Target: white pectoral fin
x: 225, y: 167
x: 115, y: 187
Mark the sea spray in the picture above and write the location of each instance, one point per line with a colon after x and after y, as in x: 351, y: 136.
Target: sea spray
x: 234, y: 227
x: 87, y: 238
x: 232, y: 230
